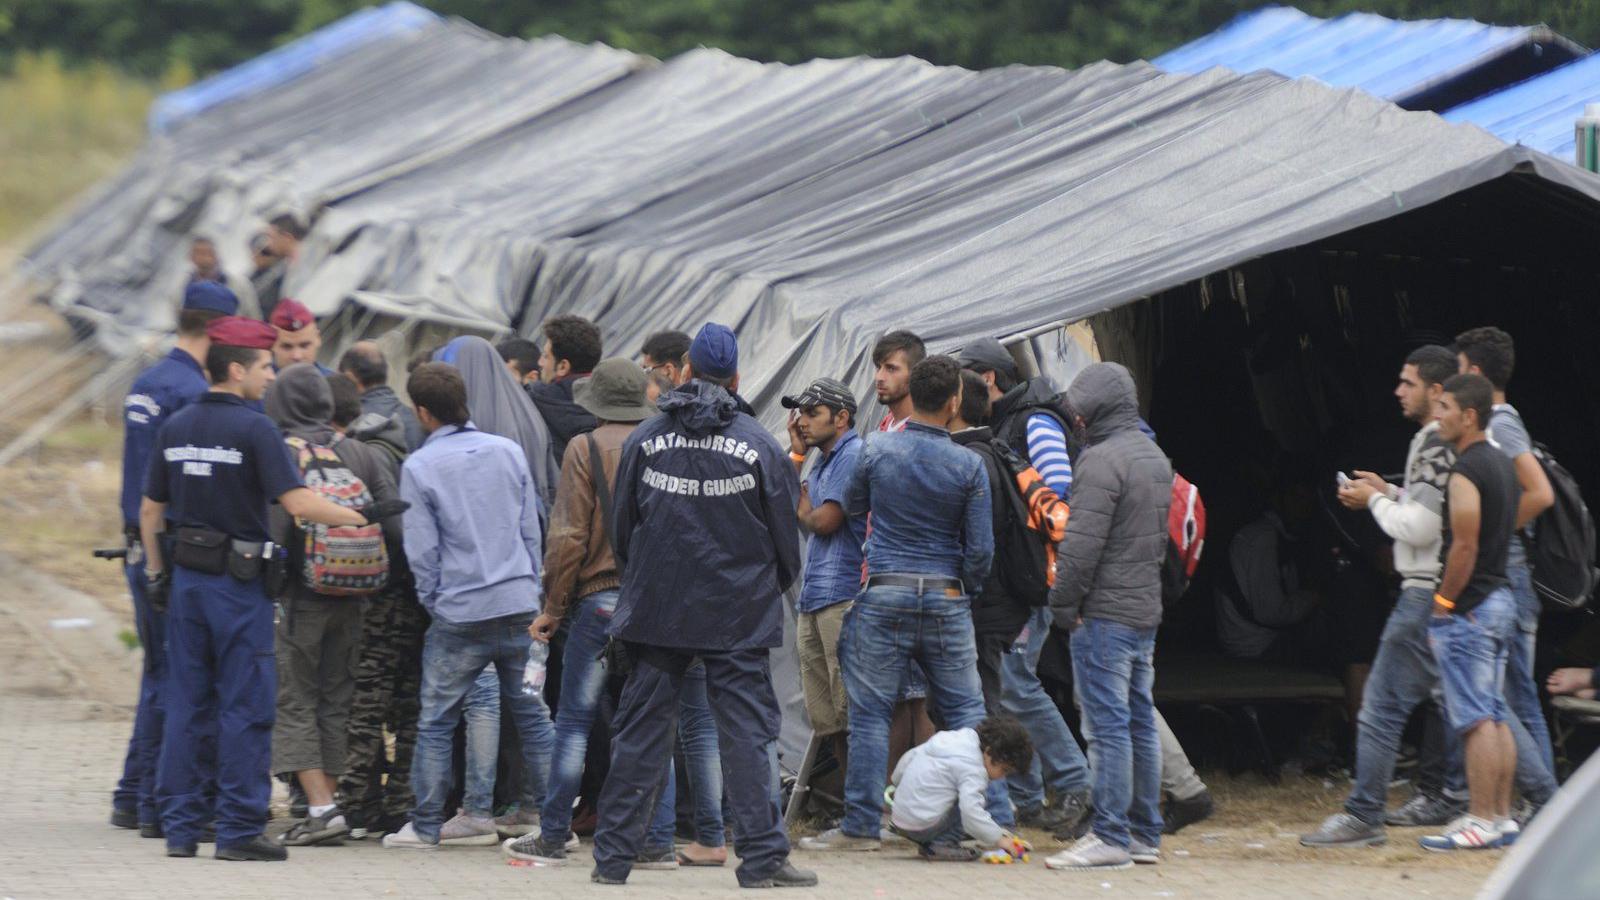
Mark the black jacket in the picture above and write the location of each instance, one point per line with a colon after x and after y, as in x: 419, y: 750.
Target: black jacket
x: 1009, y: 419
x: 994, y: 610
x: 705, y: 530
x: 562, y: 415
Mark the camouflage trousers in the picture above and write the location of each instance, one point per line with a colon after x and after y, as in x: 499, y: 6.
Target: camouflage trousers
x: 387, y: 694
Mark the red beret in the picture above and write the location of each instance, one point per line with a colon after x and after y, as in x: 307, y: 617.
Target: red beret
x: 238, y: 331
x: 291, y: 315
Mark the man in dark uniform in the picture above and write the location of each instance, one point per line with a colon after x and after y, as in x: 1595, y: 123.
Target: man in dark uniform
x: 215, y: 467
x: 299, y: 340
x: 706, y: 538
x: 161, y: 390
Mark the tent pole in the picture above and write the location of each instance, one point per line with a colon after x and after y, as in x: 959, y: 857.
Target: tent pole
x: 57, y: 417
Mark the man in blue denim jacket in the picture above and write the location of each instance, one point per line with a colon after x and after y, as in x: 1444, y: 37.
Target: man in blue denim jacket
x: 931, y: 546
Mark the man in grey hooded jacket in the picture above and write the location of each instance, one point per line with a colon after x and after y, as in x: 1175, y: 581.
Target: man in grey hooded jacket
x: 1108, y: 593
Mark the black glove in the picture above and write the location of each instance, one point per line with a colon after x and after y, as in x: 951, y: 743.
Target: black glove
x: 156, y: 588
x: 384, y: 509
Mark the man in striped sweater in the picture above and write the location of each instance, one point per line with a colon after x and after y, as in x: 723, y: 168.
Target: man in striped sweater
x: 1019, y: 417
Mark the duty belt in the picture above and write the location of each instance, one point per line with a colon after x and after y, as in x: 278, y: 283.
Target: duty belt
x: 923, y: 584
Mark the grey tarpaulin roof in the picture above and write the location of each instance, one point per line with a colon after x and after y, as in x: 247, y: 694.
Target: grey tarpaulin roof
x: 811, y: 207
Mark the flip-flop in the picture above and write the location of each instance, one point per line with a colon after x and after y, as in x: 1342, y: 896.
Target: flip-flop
x: 686, y: 860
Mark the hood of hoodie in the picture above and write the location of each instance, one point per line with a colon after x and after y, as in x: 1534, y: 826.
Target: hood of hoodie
x: 1033, y: 392
x: 301, y: 403
x: 699, y: 407
x: 374, y: 426
x: 1105, y: 396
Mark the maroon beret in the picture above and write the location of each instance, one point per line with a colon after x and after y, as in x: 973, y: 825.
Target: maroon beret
x: 291, y: 315
x: 238, y: 331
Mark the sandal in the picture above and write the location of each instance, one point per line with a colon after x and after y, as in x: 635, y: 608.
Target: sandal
x: 688, y: 861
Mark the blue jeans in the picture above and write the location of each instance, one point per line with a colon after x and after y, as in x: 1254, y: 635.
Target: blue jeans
x: 1471, y: 649
x: 1522, y: 690
x: 1058, y: 756
x: 697, y: 734
x: 583, y: 681
x: 1403, y: 675
x: 1113, y: 670
x: 886, y: 628
x: 482, y: 712
x: 453, y: 656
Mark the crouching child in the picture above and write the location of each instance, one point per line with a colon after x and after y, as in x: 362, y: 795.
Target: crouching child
x: 938, y: 789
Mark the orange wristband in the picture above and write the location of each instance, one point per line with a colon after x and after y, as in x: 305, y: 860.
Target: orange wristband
x: 1442, y: 601
x: 797, y: 457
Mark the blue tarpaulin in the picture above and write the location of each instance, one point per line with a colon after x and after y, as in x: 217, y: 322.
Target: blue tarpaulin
x: 1399, y: 61
x: 290, y: 61
x: 1539, y: 112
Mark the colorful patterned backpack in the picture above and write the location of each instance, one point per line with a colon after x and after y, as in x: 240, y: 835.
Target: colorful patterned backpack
x: 342, y: 561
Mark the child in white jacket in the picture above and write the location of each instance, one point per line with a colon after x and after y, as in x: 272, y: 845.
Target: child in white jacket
x: 938, y: 788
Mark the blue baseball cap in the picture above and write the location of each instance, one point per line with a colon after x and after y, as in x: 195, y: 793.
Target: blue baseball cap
x: 209, y: 295
x: 715, y: 351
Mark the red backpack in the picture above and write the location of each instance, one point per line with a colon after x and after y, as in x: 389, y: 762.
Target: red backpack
x: 1186, y: 538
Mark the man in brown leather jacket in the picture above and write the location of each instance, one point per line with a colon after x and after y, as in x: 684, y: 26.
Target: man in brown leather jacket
x: 581, y: 582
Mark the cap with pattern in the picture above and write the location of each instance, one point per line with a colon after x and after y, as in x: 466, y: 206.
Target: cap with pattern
x: 822, y: 392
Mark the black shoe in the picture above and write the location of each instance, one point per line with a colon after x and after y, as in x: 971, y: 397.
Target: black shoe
x: 946, y: 852
x: 328, y: 828
x: 1180, y: 814
x: 151, y: 830
x: 124, y: 818
x: 598, y: 878
x: 656, y: 858
x: 257, y: 849
x: 786, y: 876
x: 181, y: 852
x: 1075, y: 809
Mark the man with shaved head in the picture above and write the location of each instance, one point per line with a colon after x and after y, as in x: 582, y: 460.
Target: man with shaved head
x: 364, y: 364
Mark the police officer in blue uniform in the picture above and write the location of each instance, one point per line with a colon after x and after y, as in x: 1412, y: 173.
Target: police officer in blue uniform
x: 160, y: 391
x: 215, y: 467
x: 705, y: 533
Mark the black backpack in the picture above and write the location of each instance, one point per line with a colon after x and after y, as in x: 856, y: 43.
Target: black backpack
x: 1025, y: 558
x: 1561, y: 553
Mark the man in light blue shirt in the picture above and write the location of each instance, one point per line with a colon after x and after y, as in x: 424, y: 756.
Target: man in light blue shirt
x: 478, y: 576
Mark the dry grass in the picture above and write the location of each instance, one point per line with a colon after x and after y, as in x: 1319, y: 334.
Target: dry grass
x: 61, y: 130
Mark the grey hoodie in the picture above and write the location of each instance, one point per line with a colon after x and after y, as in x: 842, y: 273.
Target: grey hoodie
x: 1109, y: 565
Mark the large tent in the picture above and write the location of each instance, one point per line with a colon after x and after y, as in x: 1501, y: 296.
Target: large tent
x: 1540, y: 112
x: 1433, y: 64
x: 487, y: 183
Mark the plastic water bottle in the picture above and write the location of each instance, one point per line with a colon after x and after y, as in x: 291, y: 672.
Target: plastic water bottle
x: 533, y: 674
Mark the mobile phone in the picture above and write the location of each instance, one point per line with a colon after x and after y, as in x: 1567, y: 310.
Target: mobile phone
x: 1340, y: 479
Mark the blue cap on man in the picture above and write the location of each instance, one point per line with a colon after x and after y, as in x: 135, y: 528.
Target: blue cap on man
x: 715, y: 352
x: 209, y: 295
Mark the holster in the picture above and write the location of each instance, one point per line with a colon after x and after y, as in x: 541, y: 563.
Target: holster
x: 201, y: 549
x: 276, y: 576
x: 246, y: 559
x: 618, y: 659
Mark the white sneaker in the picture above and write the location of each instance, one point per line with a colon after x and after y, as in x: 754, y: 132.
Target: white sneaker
x: 835, y: 840
x: 1466, y: 833
x: 1090, y: 853
x: 572, y: 842
x: 517, y: 824
x: 469, y: 831
x: 407, y: 839
x: 1143, y: 854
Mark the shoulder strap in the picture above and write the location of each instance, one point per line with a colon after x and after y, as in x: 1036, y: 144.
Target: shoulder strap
x: 602, y: 489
